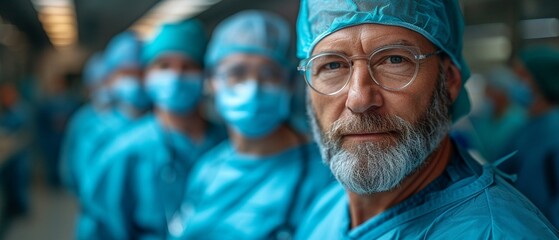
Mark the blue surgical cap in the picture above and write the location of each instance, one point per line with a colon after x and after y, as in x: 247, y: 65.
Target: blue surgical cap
x: 94, y: 71
x: 543, y: 64
x: 187, y: 38
x: 440, y: 21
x: 254, y: 32
x: 123, y: 51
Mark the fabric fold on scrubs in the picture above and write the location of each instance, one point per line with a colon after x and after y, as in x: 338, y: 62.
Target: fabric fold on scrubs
x: 467, y: 201
x: 536, y: 164
x: 237, y: 196
x: 140, y: 179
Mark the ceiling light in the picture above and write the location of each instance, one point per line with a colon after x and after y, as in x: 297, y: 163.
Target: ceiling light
x: 540, y: 28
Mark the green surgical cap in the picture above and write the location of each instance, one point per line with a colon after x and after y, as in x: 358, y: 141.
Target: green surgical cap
x: 253, y: 32
x: 440, y: 21
x: 187, y: 38
x: 543, y: 64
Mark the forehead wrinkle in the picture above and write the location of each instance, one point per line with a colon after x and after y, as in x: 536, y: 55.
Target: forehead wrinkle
x: 342, y: 42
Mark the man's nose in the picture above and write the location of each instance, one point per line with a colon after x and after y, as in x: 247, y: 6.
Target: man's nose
x: 363, y: 95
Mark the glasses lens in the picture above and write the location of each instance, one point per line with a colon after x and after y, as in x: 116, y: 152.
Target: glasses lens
x: 328, y: 73
x: 393, y: 68
x: 238, y: 73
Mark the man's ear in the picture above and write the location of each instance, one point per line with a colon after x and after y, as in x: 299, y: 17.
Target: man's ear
x: 453, y: 79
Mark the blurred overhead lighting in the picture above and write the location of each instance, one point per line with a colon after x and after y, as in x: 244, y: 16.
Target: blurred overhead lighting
x: 487, y: 30
x: 488, y: 49
x: 167, y: 11
x: 58, y: 18
x: 540, y: 28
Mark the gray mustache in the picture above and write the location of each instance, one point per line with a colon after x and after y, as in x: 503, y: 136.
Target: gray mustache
x: 366, y: 123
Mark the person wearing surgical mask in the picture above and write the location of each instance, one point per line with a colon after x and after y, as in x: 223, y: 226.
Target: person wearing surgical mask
x: 140, y: 182
x: 118, y: 101
x: 72, y: 163
x: 536, y: 162
x: 124, y: 73
x: 256, y: 184
x: 89, y: 129
x: 502, y: 113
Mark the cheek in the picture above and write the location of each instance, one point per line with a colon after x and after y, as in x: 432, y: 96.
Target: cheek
x: 327, y: 108
x: 409, y: 105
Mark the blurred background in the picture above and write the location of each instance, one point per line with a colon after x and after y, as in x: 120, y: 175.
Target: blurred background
x: 44, y: 44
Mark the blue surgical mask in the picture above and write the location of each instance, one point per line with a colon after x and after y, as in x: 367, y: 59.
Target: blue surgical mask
x: 253, y: 110
x: 128, y: 90
x: 174, y: 92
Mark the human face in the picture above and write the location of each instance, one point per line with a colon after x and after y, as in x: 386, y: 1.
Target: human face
x: 252, y: 94
x: 240, y: 67
x: 373, y: 137
x: 175, y: 62
x: 134, y: 72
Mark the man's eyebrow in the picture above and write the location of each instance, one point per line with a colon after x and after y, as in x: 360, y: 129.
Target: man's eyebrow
x: 402, y: 42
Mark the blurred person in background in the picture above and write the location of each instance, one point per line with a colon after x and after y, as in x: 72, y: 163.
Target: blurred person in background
x: 125, y: 76
x: 503, y: 113
x: 14, y: 162
x: 88, y: 129
x: 90, y: 116
x: 256, y: 184
x: 387, y: 82
x: 537, y: 161
x: 118, y: 102
x: 140, y: 182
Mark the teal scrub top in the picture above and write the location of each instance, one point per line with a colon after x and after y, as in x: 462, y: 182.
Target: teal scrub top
x: 140, y: 180
x: 235, y: 196
x: 88, y: 132
x: 468, y: 201
x: 495, y: 133
x: 536, y: 164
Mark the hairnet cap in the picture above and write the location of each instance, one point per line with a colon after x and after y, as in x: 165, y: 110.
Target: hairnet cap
x: 253, y: 32
x: 123, y: 51
x: 441, y: 22
x: 187, y: 38
x: 543, y: 64
x: 94, y: 71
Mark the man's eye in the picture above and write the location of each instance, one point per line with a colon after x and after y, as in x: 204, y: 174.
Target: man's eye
x: 332, y: 65
x: 395, y: 59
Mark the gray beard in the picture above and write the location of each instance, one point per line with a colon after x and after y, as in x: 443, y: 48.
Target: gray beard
x: 375, y: 167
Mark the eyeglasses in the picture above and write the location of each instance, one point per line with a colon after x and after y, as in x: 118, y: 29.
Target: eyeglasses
x: 267, y: 74
x: 392, y: 67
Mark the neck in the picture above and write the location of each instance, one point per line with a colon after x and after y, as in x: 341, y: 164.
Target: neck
x: 364, y: 207
x: 189, y: 124
x: 279, y: 140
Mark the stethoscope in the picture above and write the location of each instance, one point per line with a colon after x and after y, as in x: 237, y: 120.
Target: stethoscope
x: 168, y: 177
x: 286, y: 231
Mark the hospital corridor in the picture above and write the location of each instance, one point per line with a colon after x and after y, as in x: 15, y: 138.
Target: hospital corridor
x: 279, y: 119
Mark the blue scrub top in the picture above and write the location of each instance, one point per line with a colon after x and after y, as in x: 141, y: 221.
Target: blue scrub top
x: 236, y: 196
x: 494, y: 133
x: 536, y: 163
x: 467, y: 201
x: 89, y: 131
x: 140, y: 180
